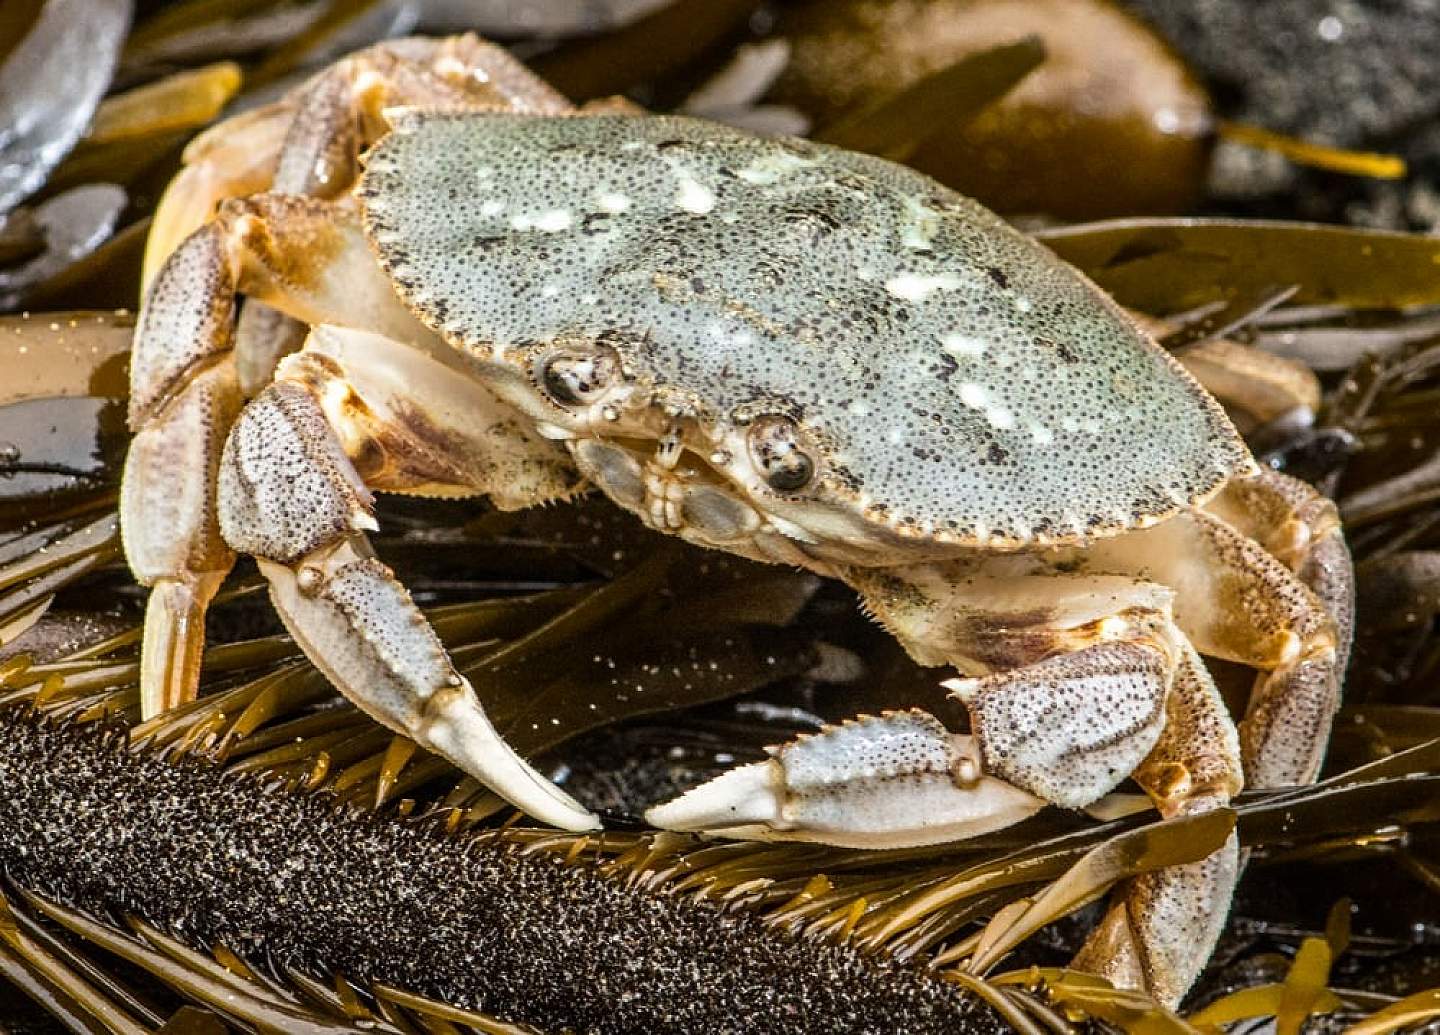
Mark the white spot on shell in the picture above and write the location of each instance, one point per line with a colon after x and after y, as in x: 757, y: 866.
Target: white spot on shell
x: 919, y: 233
x: 974, y: 396
x: 555, y: 220
x: 1000, y: 417
x: 612, y: 202
x: 1040, y: 434
x: 916, y: 287
x: 962, y: 346
x: 694, y: 196
x: 492, y: 208
x: 859, y: 409
x: 772, y: 167
x: 1023, y: 304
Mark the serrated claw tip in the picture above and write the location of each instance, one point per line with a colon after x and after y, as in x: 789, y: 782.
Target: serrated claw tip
x: 739, y: 797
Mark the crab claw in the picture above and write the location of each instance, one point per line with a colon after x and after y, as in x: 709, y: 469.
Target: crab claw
x: 360, y: 626
x: 289, y: 496
x: 896, y: 780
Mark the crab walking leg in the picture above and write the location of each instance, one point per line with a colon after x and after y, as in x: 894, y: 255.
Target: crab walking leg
x: 184, y: 394
x: 289, y: 496
x: 1301, y: 528
x: 1236, y: 600
x: 170, y: 530
x: 308, y: 141
x: 1161, y: 927
x: 307, y: 257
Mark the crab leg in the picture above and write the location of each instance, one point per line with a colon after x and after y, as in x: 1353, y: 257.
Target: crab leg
x: 890, y: 781
x: 308, y: 141
x: 1162, y: 926
x: 1301, y: 528
x: 290, y: 496
x: 170, y: 531
x: 1065, y: 643
x: 184, y: 393
x: 1237, y: 601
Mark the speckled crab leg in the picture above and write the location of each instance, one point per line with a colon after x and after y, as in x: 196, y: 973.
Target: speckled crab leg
x: 192, y: 365
x: 1162, y: 926
x: 1081, y: 680
x: 290, y: 497
x: 185, y: 393
x: 1240, y: 601
x: 1301, y: 529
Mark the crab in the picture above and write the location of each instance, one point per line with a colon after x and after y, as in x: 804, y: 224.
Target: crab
x: 457, y: 285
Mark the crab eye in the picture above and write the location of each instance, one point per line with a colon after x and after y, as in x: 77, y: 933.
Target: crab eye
x: 574, y: 378
x: 775, y: 449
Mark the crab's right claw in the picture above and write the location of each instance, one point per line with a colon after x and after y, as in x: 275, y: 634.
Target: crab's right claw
x: 891, y: 781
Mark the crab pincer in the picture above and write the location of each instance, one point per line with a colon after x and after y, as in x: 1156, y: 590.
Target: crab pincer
x: 890, y: 781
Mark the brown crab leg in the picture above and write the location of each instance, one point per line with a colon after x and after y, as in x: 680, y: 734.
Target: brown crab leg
x: 1237, y: 601
x: 1162, y: 926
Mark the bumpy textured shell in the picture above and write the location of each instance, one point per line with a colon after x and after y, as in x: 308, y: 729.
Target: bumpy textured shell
x: 957, y: 379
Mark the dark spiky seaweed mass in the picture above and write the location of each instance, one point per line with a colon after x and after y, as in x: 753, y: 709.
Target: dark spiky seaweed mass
x: 291, y: 879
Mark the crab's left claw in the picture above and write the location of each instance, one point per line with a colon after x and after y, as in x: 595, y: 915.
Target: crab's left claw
x: 891, y: 781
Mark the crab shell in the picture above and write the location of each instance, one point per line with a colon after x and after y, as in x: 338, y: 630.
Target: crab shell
x: 952, y: 380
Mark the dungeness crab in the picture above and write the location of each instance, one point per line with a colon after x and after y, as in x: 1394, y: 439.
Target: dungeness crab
x: 784, y: 350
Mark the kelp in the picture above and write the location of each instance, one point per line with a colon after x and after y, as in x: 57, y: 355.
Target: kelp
x: 51, y: 80
x: 894, y: 127
x: 1169, y: 265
